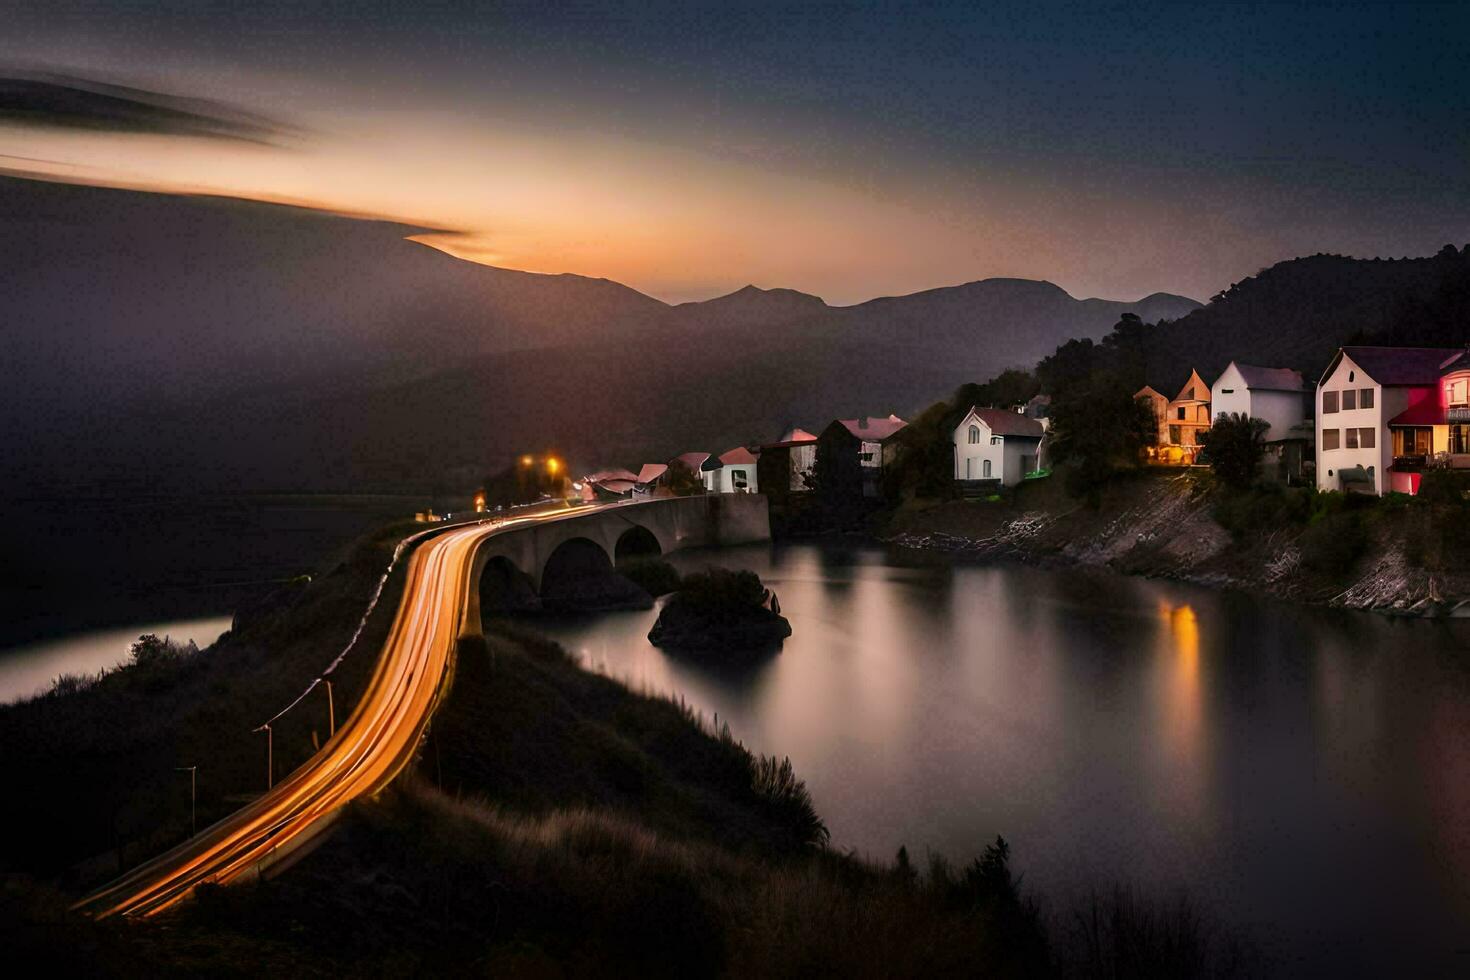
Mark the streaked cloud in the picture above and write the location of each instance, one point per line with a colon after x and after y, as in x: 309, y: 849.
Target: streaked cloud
x: 62, y: 102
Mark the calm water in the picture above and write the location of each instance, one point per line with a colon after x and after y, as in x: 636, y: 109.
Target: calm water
x: 29, y: 669
x: 1302, y: 773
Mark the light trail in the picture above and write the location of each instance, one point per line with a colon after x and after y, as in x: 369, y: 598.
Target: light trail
x: 369, y: 750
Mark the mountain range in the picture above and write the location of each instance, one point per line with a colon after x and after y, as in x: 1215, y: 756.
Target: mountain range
x: 216, y: 343
x: 163, y: 343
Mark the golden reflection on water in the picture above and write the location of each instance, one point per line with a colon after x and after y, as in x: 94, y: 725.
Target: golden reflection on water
x: 1182, y: 708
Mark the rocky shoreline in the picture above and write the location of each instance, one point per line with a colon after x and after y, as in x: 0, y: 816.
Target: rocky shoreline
x: 1161, y: 527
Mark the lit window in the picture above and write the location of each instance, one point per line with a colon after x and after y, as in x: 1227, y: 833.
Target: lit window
x: 1365, y: 398
x: 1329, y: 402
x: 1329, y: 438
x: 1349, y: 399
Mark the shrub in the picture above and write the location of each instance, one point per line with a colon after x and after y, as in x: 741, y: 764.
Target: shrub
x: 720, y: 589
x: 150, y: 651
x: 778, y: 785
x: 1262, y: 508
x: 1235, y: 447
x: 1332, y: 544
x: 1444, y: 487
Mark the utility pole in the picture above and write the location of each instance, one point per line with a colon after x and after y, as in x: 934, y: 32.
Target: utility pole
x: 193, y: 772
x: 270, y: 761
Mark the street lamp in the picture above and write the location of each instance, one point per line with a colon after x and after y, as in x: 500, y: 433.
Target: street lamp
x: 193, y: 772
x: 270, y: 756
x: 331, y: 710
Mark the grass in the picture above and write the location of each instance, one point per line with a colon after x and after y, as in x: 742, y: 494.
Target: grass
x: 94, y: 758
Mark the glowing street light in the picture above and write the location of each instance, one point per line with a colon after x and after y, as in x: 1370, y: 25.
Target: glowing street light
x: 552, y: 465
x: 527, y: 460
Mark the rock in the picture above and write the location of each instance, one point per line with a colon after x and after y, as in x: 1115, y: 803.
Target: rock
x: 721, y: 612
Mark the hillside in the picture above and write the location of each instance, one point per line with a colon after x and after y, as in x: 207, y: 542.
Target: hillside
x: 240, y: 345
x: 1297, y: 313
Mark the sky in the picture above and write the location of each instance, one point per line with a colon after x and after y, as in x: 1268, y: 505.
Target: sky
x: 849, y: 151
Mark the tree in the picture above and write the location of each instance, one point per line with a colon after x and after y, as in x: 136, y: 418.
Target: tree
x: 681, y: 480
x: 1234, y: 446
x: 1097, y: 430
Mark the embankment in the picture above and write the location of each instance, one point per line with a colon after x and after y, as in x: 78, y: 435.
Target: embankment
x: 1389, y: 556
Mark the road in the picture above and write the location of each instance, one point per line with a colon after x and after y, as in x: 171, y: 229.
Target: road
x: 368, y: 751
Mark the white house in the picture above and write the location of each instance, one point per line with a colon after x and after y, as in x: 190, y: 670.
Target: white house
x: 994, y: 444
x: 1385, y: 414
x: 1276, y: 396
x: 731, y: 472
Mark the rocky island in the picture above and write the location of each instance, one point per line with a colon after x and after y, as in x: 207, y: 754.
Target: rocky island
x: 721, y: 611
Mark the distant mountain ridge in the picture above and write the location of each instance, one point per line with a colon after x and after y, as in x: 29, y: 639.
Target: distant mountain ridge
x: 155, y: 338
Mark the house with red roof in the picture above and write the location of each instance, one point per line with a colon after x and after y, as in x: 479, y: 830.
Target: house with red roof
x: 997, y: 444
x: 786, y: 464
x: 1387, y: 414
x: 870, y: 440
x: 731, y: 472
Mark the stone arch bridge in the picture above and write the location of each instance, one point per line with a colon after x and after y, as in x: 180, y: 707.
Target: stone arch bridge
x: 541, y: 551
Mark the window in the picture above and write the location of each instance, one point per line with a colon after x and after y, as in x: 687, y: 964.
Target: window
x: 1349, y: 399
x: 1413, y: 442
x: 1365, y: 397
x: 1460, y: 439
x: 738, y: 480
x: 1174, y: 435
x: 1329, y: 402
x: 1329, y: 438
x: 974, y: 434
x: 1227, y: 391
x: 1366, y: 438
x: 1181, y: 413
x: 995, y: 440
x: 985, y: 469
x: 1458, y: 392
x: 1352, y: 438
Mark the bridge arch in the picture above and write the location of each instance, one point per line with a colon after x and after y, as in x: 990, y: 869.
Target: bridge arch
x: 570, y: 564
x: 635, y: 543
x: 505, y: 588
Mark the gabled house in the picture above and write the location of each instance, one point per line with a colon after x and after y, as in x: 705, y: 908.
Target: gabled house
x: 731, y: 472
x: 1180, y: 420
x: 1276, y: 396
x: 784, y: 466
x: 1158, y: 404
x: 996, y: 444
x: 1386, y: 414
x: 876, y: 447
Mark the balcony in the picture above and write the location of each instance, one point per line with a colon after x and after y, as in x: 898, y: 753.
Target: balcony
x: 1410, y: 464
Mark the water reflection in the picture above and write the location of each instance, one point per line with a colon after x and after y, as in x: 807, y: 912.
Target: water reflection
x: 1301, y: 771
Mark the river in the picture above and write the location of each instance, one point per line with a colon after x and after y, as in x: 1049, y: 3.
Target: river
x: 1302, y: 774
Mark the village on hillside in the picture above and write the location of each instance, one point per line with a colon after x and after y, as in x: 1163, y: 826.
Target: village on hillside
x: 1377, y: 420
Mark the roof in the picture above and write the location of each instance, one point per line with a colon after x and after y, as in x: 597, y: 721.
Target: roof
x: 604, y: 476
x: 616, y: 486
x: 692, y: 460
x: 1004, y: 423
x: 1270, y: 379
x: 737, y: 456
x: 652, y: 471
x: 1149, y: 391
x: 1188, y: 384
x: 1426, y: 411
x: 870, y: 429
x: 798, y: 435
x: 1403, y: 365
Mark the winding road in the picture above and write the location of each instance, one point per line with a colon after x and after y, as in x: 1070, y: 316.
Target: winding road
x: 368, y: 751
